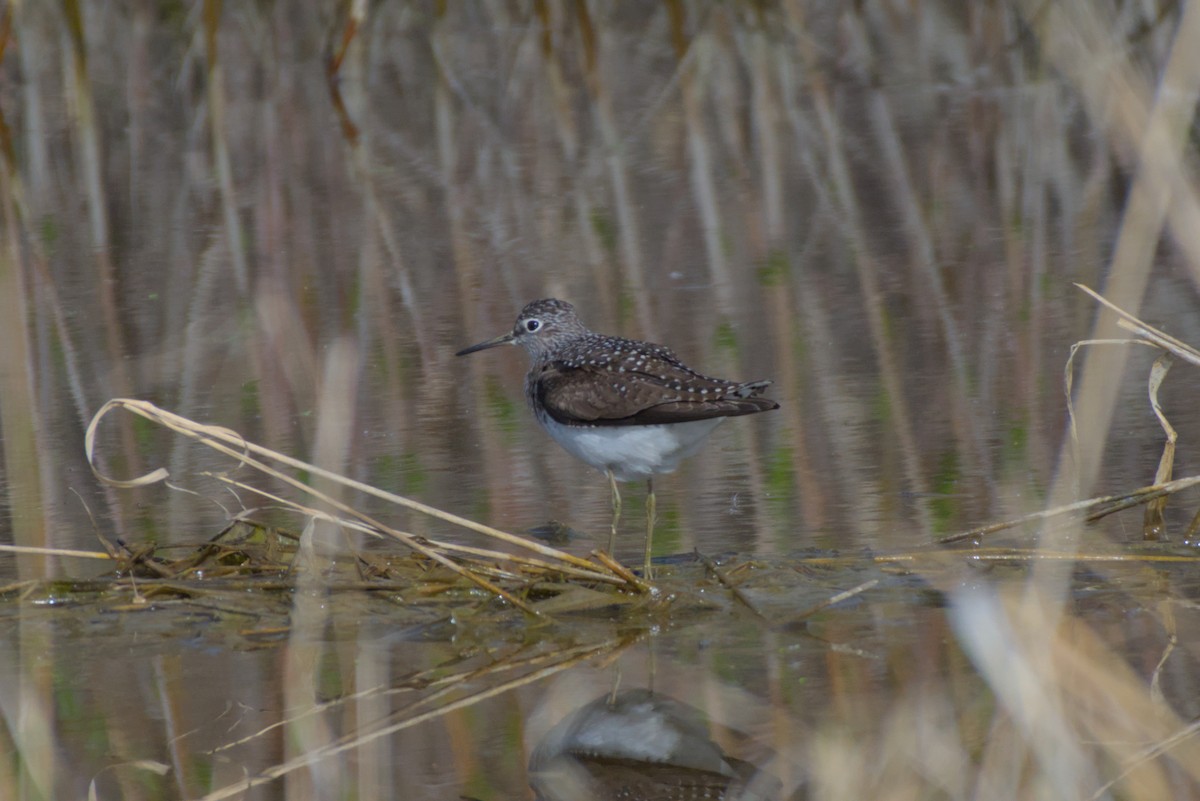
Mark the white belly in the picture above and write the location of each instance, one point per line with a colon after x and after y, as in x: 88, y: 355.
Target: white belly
x: 632, y: 452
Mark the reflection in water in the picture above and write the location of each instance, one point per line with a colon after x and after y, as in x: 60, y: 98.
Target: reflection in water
x: 640, y: 745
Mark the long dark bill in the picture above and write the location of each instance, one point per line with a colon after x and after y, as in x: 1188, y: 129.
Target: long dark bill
x: 503, y: 339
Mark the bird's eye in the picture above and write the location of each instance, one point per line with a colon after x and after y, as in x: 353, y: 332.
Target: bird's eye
x: 532, y: 325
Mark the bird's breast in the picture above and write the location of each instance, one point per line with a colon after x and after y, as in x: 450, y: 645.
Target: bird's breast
x: 631, y: 452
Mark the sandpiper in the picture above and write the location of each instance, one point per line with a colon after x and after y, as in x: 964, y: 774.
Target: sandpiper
x: 630, y: 409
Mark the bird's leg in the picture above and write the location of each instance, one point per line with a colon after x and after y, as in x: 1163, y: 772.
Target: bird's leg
x: 616, y: 510
x: 612, y: 696
x: 651, y: 506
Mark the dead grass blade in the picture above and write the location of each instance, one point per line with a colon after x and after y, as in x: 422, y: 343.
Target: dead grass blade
x: 927, y: 559
x: 236, y: 447
x: 1144, y: 334
x: 1147, y: 332
x: 1153, y: 524
x: 1115, y: 503
x: 376, y: 531
x: 55, y: 552
x: 832, y: 600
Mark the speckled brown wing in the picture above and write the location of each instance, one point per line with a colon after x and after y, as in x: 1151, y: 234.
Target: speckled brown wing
x: 660, y: 392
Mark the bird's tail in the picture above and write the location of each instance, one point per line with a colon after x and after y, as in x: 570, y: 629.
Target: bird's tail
x: 750, y: 389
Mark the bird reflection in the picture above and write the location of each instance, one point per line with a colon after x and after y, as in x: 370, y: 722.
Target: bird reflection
x: 640, y: 746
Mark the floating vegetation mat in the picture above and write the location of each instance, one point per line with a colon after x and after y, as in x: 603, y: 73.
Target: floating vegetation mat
x: 245, y: 580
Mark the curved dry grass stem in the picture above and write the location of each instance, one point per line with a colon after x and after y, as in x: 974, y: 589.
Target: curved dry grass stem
x: 1148, y: 125
x: 229, y: 442
x: 1153, y: 523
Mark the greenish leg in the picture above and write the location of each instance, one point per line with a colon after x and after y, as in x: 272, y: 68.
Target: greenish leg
x: 616, y: 509
x: 651, y: 506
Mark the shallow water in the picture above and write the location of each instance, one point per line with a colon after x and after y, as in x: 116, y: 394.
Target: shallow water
x: 882, y: 209
x: 387, y: 695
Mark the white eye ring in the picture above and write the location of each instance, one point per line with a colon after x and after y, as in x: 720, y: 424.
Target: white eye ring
x: 532, y: 325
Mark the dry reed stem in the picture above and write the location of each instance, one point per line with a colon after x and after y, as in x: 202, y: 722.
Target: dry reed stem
x: 201, y: 433
x: 1131, y: 498
x: 845, y: 416
x: 842, y: 410
x: 941, y: 557
x: 781, y: 311
x: 214, y: 437
x: 925, y: 263
x: 565, y: 125
x: 693, y: 83
x: 27, y: 703
x: 615, y: 159
x: 196, y: 333
x: 1153, y: 524
x: 809, y: 492
x: 1152, y: 127
x: 63, y: 552
x: 362, y: 161
x: 832, y: 600
x: 620, y: 570
x: 215, y: 84
x: 20, y: 422
x: 308, y: 511
x: 1145, y: 331
x: 850, y: 222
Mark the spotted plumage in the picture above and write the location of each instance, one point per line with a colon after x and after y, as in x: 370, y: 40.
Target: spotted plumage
x: 631, y: 409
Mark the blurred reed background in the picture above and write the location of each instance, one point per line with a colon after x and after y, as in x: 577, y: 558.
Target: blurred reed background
x: 882, y: 208
x: 284, y: 218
